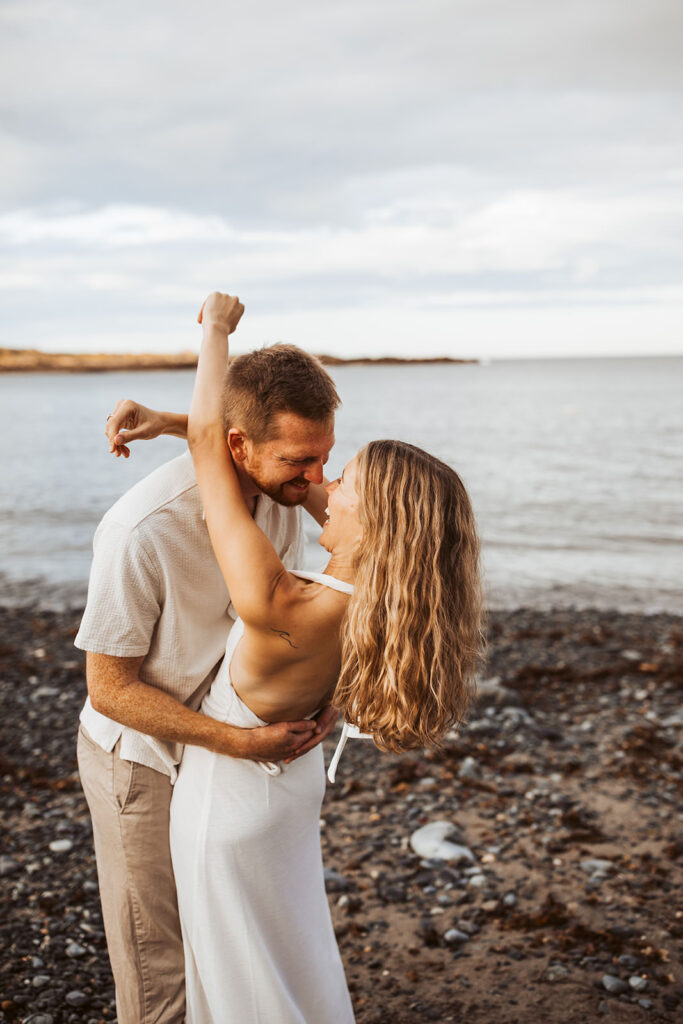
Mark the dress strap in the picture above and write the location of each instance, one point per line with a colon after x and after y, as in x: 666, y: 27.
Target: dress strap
x: 325, y: 579
x: 354, y: 733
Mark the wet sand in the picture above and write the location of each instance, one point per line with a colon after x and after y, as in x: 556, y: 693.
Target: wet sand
x: 565, y: 786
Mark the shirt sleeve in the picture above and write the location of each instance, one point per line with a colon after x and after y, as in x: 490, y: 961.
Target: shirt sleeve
x: 123, y: 604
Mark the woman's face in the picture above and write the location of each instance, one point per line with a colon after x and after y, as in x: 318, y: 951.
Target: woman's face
x: 342, y: 529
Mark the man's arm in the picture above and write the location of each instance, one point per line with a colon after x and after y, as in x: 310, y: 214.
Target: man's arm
x: 117, y: 691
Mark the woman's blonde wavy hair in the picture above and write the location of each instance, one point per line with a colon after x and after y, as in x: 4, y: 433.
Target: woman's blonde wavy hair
x: 412, y: 634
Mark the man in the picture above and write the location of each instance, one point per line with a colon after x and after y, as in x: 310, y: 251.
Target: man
x: 155, y: 627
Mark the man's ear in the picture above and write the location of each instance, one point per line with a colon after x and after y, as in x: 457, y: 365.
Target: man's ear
x: 238, y: 444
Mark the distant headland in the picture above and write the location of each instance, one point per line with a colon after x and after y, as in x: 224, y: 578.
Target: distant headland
x: 29, y: 360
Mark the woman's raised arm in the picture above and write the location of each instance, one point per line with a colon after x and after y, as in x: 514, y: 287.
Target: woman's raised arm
x: 249, y: 563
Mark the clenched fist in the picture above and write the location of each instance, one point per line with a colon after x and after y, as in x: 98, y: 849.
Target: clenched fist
x: 219, y: 310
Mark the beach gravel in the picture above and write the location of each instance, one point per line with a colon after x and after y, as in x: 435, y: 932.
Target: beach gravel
x: 564, y: 786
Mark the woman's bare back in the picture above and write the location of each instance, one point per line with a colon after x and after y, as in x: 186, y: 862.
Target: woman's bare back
x: 287, y: 669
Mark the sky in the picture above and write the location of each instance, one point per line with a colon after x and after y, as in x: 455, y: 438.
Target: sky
x: 475, y: 178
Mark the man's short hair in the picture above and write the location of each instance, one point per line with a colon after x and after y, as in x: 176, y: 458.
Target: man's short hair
x: 279, y: 378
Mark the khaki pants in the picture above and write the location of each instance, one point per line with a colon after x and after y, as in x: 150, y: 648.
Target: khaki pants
x: 129, y: 804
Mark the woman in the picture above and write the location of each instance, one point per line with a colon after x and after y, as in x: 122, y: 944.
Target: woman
x: 389, y: 632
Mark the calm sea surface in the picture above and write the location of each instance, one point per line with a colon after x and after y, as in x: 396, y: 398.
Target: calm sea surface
x: 575, y: 468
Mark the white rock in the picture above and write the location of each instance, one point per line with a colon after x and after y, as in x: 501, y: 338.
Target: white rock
x: 637, y: 983
x: 61, y: 845
x: 596, y: 866
x: 477, y: 882
x: 431, y: 843
x: 469, y: 769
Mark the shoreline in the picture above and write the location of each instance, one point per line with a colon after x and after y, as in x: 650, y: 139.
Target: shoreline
x: 563, y: 784
x: 36, y: 361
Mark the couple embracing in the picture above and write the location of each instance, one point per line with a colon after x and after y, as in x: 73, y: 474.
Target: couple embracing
x: 202, y: 764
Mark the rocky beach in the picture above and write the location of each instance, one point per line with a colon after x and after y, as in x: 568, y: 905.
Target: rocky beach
x: 528, y: 871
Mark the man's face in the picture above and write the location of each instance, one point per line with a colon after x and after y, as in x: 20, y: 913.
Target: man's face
x: 284, y: 467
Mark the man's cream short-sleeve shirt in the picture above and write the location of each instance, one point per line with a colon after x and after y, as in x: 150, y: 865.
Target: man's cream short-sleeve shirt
x: 156, y: 590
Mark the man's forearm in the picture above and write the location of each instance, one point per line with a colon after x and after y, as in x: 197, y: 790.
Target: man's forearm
x: 117, y: 691
x: 155, y: 713
x: 175, y: 424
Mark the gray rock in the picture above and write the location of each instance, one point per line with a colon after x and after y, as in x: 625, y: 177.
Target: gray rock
x: 40, y: 1018
x: 631, y: 963
x: 597, y: 867
x: 454, y: 937
x: 8, y: 866
x: 468, y: 927
x: 615, y: 986
x: 61, y: 845
x: 74, y: 949
x: 45, y: 691
x: 646, y: 1004
x: 509, y: 899
x: 431, y: 842
x: 469, y: 770
x: 40, y: 981
x: 334, y: 882
x: 491, y: 693
x: 477, y: 882
x: 77, y: 998
x: 637, y: 983
x: 556, y: 972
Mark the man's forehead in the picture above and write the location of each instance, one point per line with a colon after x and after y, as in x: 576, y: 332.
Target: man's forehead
x: 300, y: 437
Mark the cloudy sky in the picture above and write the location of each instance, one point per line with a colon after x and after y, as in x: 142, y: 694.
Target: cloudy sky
x: 463, y: 177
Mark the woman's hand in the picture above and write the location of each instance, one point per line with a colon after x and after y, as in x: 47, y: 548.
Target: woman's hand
x: 221, y: 311
x: 131, y: 421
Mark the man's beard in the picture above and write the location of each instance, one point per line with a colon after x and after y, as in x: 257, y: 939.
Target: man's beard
x: 279, y: 493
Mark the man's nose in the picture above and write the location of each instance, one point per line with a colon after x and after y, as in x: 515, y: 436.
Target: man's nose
x: 314, y: 472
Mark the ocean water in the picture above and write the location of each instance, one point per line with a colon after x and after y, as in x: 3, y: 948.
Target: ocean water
x: 575, y: 468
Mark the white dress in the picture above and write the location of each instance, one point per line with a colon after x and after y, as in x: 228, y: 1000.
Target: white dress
x: 245, y: 842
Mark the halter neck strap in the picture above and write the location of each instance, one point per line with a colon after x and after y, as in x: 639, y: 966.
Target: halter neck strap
x: 322, y: 577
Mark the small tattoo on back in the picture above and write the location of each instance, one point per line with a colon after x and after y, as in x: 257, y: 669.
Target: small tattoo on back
x: 284, y: 635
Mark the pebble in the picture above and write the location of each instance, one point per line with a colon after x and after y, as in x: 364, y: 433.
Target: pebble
x: 491, y: 693
x: 334, y: 882
x: 455, y: 937
x: 477, y: 882
x: 431, y: 842
x: 615, y: 986
x: 41, y: 980
x: 637, y: 983
x: 596, y: 866
x: 556, y: 972
x: 469, y: 769
x: 509, y: 899
x: 40, y: 1018
x: 646, y: 1004
x: 8, y: 866
x: 631, y: 963
x: 77, y: 998
x: 74, y: 949
x: 61, y: 845
x: 468, y: 927
x: 428, y: 933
